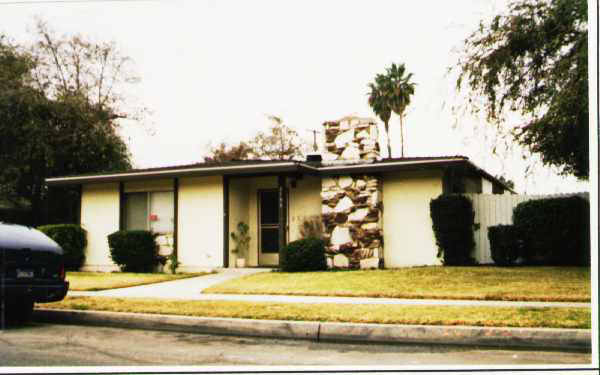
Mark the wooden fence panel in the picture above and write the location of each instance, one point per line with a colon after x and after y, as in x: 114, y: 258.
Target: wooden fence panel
x: 493, y: 209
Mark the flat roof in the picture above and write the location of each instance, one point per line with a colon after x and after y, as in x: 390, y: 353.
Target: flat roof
x: 265, y: 167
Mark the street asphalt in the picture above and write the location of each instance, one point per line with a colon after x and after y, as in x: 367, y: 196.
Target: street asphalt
x: 191, y: 289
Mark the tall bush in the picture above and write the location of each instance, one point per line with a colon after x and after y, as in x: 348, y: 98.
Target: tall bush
x: 72, y: 239
x: 555, y: 231
x: 307, y: 254
x: 134, y: 250
x: 505, y: 244
x: 453, y: 221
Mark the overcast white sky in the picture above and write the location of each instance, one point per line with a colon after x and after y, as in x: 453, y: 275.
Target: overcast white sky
x: 211, y: 70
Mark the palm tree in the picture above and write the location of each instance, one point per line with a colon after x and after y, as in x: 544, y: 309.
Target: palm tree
x: 380, y: 104
x: 391, y: 93
x: 401, y: 90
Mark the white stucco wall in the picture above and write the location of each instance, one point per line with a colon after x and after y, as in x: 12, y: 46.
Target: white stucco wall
x: 148, y: 185
x: 200, y: 223
x: 407, y: 229
x: 305, y: 203
x: 99, y: 217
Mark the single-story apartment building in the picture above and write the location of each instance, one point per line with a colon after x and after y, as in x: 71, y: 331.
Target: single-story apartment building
x: 374, y: 212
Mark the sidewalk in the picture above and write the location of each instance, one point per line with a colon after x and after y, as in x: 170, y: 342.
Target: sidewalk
x: 191, y: 289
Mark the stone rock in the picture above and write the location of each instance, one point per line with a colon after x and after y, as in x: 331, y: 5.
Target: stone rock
x: 344, y: 205
x: 340, y: 261
x: 328, y: 195
x: 370, y: 226
x: 374, y: 198
x: 326, y: 210
x: 369, y: 263
x: 345, y: 182
x: 328, y: 183
x: 362, y: 135
x: 329, y: 262
x: 358, y: 215
x: 351, y: 153
x: 344, y: 139
x: 341, y: 218
x: 329, y: 156
x: 340, y: 236
x: 361, y: 184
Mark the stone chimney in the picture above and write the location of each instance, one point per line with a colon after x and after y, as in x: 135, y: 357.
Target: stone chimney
x: 351, y: 139
x: 351, y: 204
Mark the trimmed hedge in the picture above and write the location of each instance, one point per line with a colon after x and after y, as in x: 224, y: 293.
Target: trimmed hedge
x: 134, y: 250
x: 453, y: 221
x: 505, y: 244
x: 555, y: 231
x: 307, y: 254
x: 72, y: 239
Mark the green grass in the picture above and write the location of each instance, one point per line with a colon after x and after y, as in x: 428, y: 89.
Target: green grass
x: 436, y: 282
x: 94, y: 281
x: 383, y: 314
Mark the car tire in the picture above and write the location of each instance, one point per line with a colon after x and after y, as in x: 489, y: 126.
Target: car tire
x: 19, y: 312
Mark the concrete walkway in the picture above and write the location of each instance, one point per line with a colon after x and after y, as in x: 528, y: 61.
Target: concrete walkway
x: 191, y: 289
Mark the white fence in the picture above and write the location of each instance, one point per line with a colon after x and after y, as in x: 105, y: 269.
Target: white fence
x: 493, y: 209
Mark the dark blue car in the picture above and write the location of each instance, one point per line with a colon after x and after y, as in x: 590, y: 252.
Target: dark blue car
x: 31, y: 270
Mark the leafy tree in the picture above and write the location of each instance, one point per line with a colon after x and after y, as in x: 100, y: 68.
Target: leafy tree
x: 222, y: 153
x: 533, y: 60
x: 279, y: 143
x: 73, y: 65
x: 50, y: 130
x: 391, y: 92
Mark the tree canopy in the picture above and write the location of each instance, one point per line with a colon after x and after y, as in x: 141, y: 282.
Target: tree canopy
x: 52, y: 125
x: 533, y: 60
x: 280, y: 142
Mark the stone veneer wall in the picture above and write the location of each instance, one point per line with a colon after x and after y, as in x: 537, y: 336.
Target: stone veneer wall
x: 351, y: 204
x: 351, y: 139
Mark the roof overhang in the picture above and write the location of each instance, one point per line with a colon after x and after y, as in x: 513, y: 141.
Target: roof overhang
x: 254, y: 169
x: 275, y: 168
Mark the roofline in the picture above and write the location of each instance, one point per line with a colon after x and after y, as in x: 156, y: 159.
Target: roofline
x: 275, y: 167
x: 174, y: 172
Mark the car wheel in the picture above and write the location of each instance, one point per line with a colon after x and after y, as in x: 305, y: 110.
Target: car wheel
x: 19, y: 312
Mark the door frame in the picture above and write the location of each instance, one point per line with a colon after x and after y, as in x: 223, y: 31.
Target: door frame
x: 274, y: 261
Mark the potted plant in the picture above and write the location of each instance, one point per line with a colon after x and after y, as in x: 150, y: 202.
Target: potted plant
x: 242, y: 241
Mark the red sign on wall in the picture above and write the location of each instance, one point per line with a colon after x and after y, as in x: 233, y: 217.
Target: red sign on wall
x: 153, y: 217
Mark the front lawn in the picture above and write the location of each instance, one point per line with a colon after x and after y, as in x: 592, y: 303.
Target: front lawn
x: 327, y: 312
x: 94, y: 281
x: 435, y: 282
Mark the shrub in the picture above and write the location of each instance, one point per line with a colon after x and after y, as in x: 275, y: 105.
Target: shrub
x: 312, y: 227
x: 72, y: 239
x: 307, y: 254
x: 504, y: 244
x: 555, y: 231
x: 134, y: 250
x: 452, y: 217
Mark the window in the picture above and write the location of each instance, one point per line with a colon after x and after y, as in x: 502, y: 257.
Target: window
x: 153, y: 211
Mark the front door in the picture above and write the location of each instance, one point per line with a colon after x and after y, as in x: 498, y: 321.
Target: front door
x: 268, y: 227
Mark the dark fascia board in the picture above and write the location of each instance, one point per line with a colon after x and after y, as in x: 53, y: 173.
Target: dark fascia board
x: 488, y: 176
x: 276, y: 168
x: 390, y: 166
x: 254, y: 169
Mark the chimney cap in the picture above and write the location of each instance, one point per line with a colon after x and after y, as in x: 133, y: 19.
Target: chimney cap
x: 314, y: 158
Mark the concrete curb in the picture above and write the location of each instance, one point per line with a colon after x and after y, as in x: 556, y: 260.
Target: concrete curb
x: 548, y: 338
